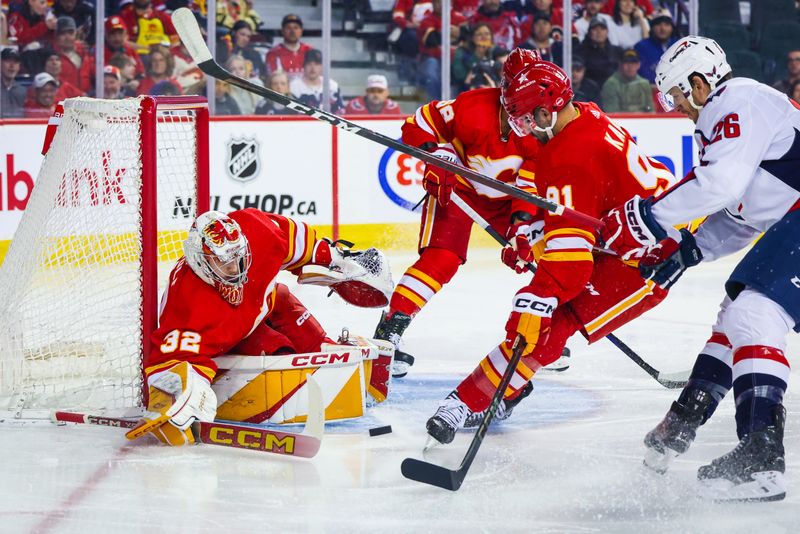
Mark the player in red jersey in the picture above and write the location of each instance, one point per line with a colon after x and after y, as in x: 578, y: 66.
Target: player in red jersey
x: 223, y: 297
x: 574, y: 289
x: 471, y: 130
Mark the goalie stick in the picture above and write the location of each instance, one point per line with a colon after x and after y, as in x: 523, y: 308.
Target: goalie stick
x: 451, y: 479
x: 189, y: 32
x: 225, y: 434
x: 669, y: 381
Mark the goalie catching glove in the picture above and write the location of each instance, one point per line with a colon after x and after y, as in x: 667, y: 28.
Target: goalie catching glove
x: 178, y: 396
x: 361, y: 277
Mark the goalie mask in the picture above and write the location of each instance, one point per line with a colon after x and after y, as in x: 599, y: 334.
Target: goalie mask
x: 218, y: 252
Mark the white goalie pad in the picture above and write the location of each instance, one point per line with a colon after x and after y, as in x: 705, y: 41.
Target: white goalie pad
x: 361, y: 278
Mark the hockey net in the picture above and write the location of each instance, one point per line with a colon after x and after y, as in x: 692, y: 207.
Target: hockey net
x: 115, y: 196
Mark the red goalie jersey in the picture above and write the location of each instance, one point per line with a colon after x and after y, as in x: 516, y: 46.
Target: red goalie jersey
x: 608, y: 170
x: 198, y: 323
x: 472, y: 124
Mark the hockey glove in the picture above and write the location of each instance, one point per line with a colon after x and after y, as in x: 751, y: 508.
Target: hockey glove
x: 177, y: 397
x: 530, y: 317
x: 665, y: 262
x: 438, y: 182
x: 631, y: 227
x: 522, y: 238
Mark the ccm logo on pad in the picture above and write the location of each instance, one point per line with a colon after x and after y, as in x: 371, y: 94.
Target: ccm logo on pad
x: 320, y: 359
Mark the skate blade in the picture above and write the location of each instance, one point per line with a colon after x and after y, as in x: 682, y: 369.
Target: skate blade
x: 659, y: 461
x: 764, y: 486
x: 558, y: 366
x: 430, y: 444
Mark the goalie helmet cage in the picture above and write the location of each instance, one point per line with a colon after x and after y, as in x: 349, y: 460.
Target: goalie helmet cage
x: 117, y: 191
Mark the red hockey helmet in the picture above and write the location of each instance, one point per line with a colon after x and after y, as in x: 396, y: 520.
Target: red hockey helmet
x: 518, y: 59
x: 540, y: 85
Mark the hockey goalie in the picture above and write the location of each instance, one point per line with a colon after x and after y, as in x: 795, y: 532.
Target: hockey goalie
x: 223, y: 308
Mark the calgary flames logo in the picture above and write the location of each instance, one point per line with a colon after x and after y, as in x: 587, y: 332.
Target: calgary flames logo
x: 219, y: 233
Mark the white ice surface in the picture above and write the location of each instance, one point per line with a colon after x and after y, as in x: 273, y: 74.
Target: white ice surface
x: 569, y: 460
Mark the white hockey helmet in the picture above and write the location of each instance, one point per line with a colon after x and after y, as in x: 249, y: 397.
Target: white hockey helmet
x: 692, y: 54
x: 218, y: 252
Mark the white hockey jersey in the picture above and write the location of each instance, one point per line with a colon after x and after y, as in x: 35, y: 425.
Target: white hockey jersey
x: 749, y: 171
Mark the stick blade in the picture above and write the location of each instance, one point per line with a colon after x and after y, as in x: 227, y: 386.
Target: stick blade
x: 189, y: 32
x: 432, y: 474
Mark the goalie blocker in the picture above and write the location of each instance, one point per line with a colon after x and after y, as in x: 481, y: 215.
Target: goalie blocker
x: 272, y: 389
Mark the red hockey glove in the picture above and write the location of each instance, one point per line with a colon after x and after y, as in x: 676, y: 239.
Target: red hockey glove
x: 631, y: 227
x: 530, y: 317
x: 437, y: 181
x: 665, y: 262
x: 522, y: 237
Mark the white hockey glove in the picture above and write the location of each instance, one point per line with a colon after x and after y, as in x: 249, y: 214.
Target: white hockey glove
x: 178, y: 396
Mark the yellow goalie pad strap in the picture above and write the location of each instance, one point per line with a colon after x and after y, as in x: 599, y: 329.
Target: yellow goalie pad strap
x: 280, y: 396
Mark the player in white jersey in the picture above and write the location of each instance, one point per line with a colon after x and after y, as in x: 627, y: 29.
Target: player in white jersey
x: 747, y: 182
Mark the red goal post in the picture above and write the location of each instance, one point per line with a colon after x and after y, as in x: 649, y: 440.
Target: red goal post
x: 79, y: 288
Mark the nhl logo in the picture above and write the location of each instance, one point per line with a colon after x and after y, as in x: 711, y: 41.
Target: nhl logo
x: 243, y: 159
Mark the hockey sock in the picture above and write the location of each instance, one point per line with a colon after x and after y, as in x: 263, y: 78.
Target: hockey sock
x: 479, y: 387
x: 760, y: 375
x: 434, y: 268
x: 711, y: 373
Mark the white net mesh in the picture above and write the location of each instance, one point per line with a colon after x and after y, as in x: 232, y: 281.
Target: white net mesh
x: 71, y: 284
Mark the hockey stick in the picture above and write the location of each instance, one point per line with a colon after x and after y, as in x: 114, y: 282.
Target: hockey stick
x: 304, y: 445
x: 189, y: 31
x: 671, y: 381
x: 449, y: 479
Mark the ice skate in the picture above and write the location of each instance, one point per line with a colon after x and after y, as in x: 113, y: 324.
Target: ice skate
x: 676, y: 431
x: 448, y: 419
x: 753, y: 471
x: 392, y: 330
x: 504, y: 409
x: 561, y: 364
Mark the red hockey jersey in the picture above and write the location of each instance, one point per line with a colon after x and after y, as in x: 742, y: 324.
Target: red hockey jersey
x: 472, y: 125
x: 592, y: 166
x: 196, y: 323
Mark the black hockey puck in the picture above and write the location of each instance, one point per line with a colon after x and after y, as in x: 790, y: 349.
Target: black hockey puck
x: 380, y: 430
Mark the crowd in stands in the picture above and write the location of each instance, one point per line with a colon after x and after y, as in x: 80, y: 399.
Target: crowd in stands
x: 48, y: 52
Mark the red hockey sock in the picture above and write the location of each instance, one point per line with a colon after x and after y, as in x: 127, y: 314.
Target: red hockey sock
x: 434, y: 268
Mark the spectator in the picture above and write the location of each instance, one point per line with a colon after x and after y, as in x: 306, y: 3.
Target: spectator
x: 289, y: 56
x: 230, y: 12
x: 628, y: 25
x: 430, y: 43
x: 541, y: 39
x: 278, y: 81
x: 73, y: 55
x: 224, y: 103
x: 376, y: 101
x: 646, y: 5
x: 147, y: 26
x: 160, y: 69
x: 53, y: 66
x: 82, y: 12
x: 237, y: 42
x: 793, y: 70
x: 591, y: 11
x: 166, y: 88
x: 308, y: 88
x: 528, y: 11
x: 478, y: 50
x: 625, y: 91
x: 42, y: 100
x: 407, y: 15
x: 503, y: 23
x: 127, y: 70
x: 651, y: 49
x: 584, y: 89
x: 599, y: 55
x: 12, y: 94
x: 466, y: 7
x: 112, y: 83
x: 34, y: 22
x: 794, y: 91
x: 117, y: 43
x: 245, y: 100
